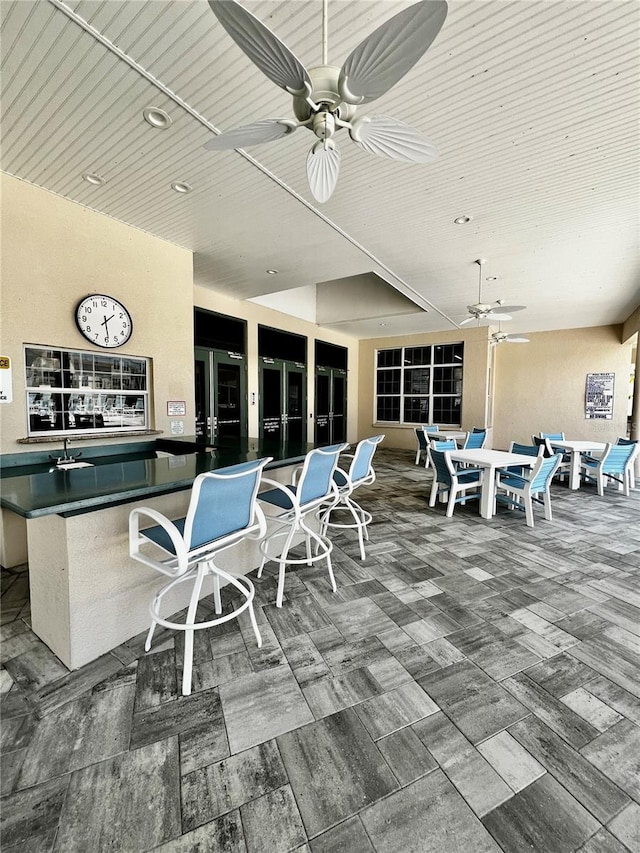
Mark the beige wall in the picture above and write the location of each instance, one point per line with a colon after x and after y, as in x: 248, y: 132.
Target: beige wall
x: 54, y: 252
x: 256, y: 315
x: 540, y: 386
x: 475, y: 389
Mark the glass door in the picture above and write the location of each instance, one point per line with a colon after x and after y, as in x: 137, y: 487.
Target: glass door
x: 331, y: 405
x: 283, y: 400
x: 221, y: 395
x: 202, y: 372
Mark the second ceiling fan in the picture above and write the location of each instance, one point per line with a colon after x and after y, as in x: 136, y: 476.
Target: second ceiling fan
x: 325, y: 98
x: 488, y: 310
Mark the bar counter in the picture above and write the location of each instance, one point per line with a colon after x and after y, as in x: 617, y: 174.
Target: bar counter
x: 87, y: 595
x: 40, y: 488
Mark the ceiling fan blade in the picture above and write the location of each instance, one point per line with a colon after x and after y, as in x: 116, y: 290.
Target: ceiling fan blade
x: 388, y: 137
x: 468, y: 320
x: 507, y: 309
x: 386, y: 55
x: 512, y: 339
x: 252, y: 134
x: 323, y: 165
x: 493, y: 316
x: 263, y: 47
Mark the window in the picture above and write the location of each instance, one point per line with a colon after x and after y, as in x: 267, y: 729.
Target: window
x: 73, y: 391
x: 420, y: 385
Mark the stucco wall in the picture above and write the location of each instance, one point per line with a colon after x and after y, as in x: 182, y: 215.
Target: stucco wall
x: 54, y: 252
x: 475, y: 387
x: 540, y: 386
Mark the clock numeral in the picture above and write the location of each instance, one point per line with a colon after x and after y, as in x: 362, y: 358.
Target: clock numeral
x: 88, y: 309
x: 84, y: 318
x: 88, y: 328
x: 121, y: 315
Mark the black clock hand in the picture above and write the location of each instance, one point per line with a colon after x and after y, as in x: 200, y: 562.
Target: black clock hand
x: 104, y: 323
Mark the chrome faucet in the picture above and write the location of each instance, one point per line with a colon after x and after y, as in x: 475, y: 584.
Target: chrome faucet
x: 61, y: 460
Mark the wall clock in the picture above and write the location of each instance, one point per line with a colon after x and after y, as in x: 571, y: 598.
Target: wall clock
x: 103, y: 320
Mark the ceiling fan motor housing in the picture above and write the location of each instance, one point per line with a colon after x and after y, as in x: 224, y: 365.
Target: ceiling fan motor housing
x: 325, y: 94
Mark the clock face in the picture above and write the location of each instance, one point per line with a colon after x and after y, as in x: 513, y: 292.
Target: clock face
x: 104, y: 321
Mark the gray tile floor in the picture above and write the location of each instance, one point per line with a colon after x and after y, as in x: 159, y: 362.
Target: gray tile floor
x: 472, y: 686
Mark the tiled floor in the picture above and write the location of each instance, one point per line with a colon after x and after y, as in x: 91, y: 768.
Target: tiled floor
x: 472, y: 686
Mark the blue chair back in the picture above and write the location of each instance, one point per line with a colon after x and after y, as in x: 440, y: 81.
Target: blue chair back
x: 439, y: 462
x: 525, y: 449
x: 317, y: 473
x: 422, y: 438
x: 222, y: 502
x: 616, y: 457
x: 361, y: 464
x: 430, y: 428
x: 475, y: 440
x: 553, y: 436
x: 543, y: 472
x: 449, y: 444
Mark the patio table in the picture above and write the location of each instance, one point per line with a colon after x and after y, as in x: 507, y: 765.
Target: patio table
x: 576, y: 448
x: 490, y: 461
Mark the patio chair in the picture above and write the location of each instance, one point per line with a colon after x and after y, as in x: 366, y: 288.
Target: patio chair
x: 524, y: 450
x: 314, y: 488
x: 423, y: 446
x: 475, y: 439
x: 222, y: 512
x: 632, y: 472
x: 360, y: 473
x: 520, y: 492
x: 563, y: 471
x: 614, y: 464
x: 454, y: 481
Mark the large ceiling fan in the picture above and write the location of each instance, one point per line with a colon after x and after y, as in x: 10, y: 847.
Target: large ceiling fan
x: 325, y: 98
x: 488, y: 310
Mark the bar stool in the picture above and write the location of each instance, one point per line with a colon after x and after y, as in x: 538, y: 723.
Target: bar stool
x: 360, y: 473
x: 313, y: 487
x: 222, y: 512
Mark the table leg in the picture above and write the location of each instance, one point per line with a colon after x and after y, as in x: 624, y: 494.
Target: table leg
x: 487, y: 492
x: 574, y: 471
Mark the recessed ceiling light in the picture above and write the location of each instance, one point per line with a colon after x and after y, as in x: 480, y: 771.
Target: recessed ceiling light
x: 462, y: 220
x: 272, y: 272
x: 180, y: 187
x: 157, y: 118
x: 93, y: 179
x: 382, y: 324
x: 491, y: 278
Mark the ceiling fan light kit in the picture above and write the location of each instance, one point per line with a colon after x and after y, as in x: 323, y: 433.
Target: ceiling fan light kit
x: 325, y: 98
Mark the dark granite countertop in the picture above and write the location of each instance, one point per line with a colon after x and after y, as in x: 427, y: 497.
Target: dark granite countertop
x: 42, y: 489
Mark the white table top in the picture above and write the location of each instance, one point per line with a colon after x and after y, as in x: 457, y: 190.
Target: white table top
x: 578, y: 446
x: 444, y: 434
x: 492, y: 458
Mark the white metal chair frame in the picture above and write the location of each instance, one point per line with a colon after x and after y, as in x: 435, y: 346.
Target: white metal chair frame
x: 182, y: 562
x: 360, y: 473
x: 314, y: 487
x: 521, y: 491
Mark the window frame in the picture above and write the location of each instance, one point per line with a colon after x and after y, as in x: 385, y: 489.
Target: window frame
x: 94, y: 398
x: 402, y: 365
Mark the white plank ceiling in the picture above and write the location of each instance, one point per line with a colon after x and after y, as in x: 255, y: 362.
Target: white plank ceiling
x: 533, y: 106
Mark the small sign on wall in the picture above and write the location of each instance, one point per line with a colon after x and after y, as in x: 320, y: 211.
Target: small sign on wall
x: 176, y: 408
x: 6, y: 385
x: 599, y: 396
